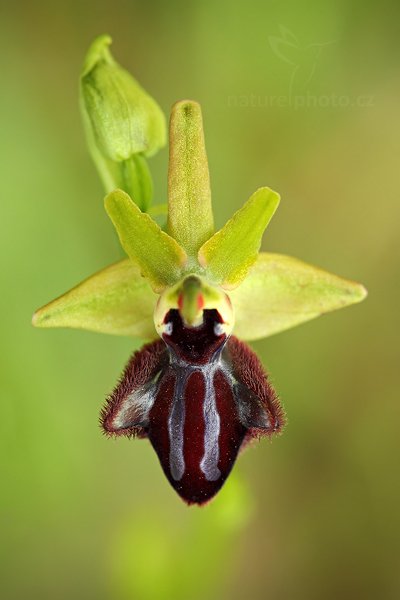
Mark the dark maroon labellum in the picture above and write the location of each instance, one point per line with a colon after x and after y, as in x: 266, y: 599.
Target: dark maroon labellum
x: 199, y: 397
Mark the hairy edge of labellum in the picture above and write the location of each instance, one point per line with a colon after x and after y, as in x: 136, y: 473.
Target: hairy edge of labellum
x: 148, y: 360
x: 147, y: 365
x: 251, y: 372
x: 142, y: 366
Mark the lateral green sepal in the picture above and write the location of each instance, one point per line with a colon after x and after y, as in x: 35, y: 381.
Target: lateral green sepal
x: 116, y: 300
x: 281, y: 292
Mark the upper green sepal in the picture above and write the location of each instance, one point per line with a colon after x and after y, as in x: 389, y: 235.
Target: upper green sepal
x: 281, y: 292
x: 229, y: 254
x: 116, y: 300
x: 159, y: 257
x: 190, y: 217
x: 123, y: 123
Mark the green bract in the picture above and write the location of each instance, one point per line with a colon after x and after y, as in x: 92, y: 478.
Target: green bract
x: 269, y: 292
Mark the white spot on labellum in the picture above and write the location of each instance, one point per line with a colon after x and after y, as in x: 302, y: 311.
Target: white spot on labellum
x: 219, y: 329
x: 168, y: 328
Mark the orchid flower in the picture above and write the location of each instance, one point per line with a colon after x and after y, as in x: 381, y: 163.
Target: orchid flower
x: 196, y: 389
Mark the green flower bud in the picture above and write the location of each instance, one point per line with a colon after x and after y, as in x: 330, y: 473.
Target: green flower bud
x: 123, y: 123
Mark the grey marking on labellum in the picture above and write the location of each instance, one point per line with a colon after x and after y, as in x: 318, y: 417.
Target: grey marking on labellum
x: 209, y: 462
x: 136, y: 408
x: 219, y: 329
x: 176, y: 424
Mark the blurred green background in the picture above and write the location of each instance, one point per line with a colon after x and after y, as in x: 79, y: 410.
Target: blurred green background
x: 304, y: 98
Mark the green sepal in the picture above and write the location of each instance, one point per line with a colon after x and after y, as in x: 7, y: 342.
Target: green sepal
x: 190, y: 217
x: 116, y: 300
x: 229, y: 254
x: 158, y: 256
x: 281, y: 292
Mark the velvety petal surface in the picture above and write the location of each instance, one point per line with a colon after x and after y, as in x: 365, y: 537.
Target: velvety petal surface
x: 199, y: 398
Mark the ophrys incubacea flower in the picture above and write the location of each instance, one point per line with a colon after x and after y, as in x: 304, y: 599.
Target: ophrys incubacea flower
x: 197, y: 391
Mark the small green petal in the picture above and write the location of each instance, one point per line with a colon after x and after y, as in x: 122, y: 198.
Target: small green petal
x: 281, y: 292
x: 229, y: 254
x: 116, y: 300
x: 159, y: 256
x: 190, y: 217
